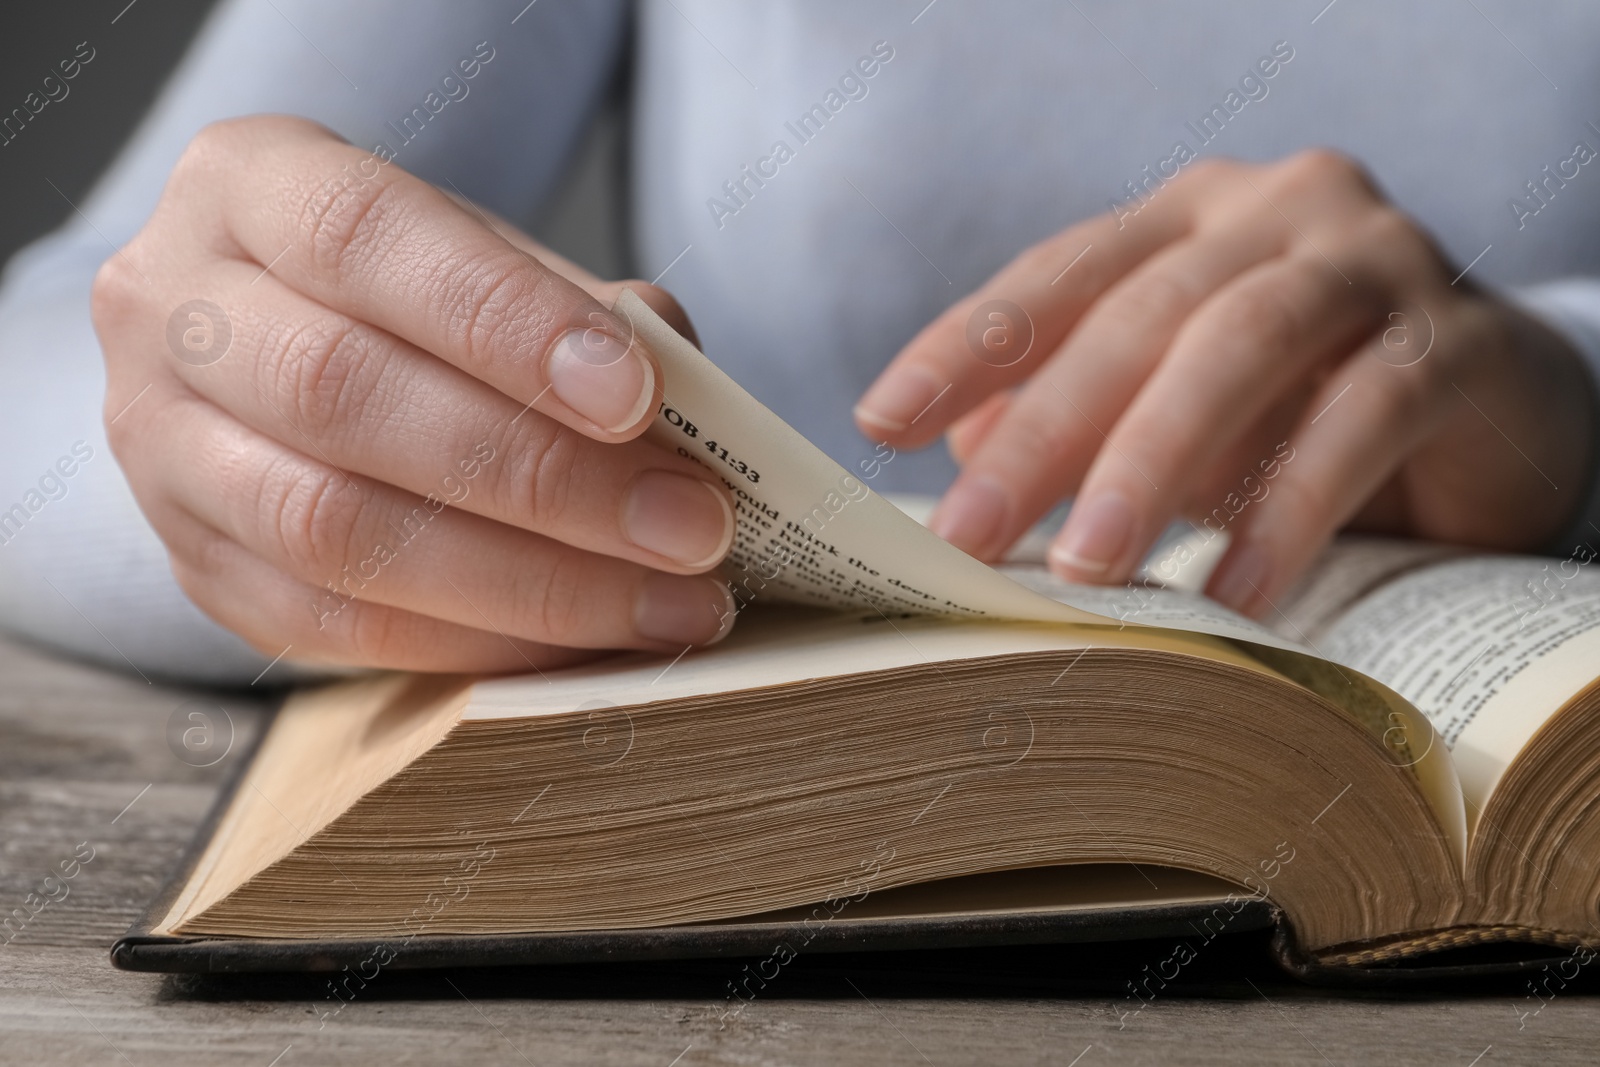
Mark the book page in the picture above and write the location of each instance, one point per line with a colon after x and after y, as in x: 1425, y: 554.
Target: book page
x: 1488, y: 647
x: 811, y: 532
x: 783, y: 646
x: 327, y: 748
x: 1349, y: 569
x: 1141, y: 604
x: 1027, y: 891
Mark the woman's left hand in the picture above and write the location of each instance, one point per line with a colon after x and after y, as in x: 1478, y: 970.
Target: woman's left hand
x: 1271, y: 348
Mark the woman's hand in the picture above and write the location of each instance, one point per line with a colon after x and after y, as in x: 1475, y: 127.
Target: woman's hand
x: 1270, y: 350
x: 371, y: 430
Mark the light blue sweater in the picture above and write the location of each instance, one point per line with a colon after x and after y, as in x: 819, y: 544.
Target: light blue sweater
x: 822, y: 177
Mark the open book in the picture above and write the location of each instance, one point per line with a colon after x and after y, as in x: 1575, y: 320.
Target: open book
x: 1407, y: 760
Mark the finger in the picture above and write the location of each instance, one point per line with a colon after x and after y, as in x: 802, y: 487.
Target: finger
x: 968, y: 432
x: 658, y: 299
x: 391, y: 250
x: 514, y: 236
x: 356, y: 539
x: 267, y: 608
x: 1001, y: 333
x: 1246, y: 346
x: 366, y: 402
x: 1242, y: 455
x: 1351, y: 438
x: 1038, y: 453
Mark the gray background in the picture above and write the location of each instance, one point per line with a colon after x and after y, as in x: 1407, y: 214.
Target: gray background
x: 133, y: 57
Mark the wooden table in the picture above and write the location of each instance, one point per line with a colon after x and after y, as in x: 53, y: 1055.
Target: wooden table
x: 85, y: 757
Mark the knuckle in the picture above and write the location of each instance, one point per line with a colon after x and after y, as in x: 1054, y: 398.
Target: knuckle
x: 1324, y: 160
x: 1048, y: 256
x: 540, y: 482
x: 260, y: 643
x: 341, y: 221
x: 376, y: 634
x: 1040, y: 256
x: 1390, y: 226
x: 1407, y: 250
x: 1259, y: 320
x: 546, y: 478
x: 193, y: 575
x: 209, y: 556
x: 223, y: 145
x: 215, y: 143
x: 1151, y: 300
x: 319, y: 370
x: 134, y: 431
x: 200, y: 576
x: 311, y: 516
x: 1209, y: 180
x: 1319, y: 168
x: 120, y: 435
x: 1311, y: 507
x: 1035, y: 435
x: 495, y: 307
x: 554, y: 594
x: 1208, y: 170
x: 206, y: 574
x: 1411, y: 393
x: 114, y: 295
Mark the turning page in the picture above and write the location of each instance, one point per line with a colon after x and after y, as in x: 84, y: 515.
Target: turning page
x: 811, y: 532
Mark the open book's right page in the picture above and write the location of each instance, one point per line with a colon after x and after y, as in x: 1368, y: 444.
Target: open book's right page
x: 1489, y: 647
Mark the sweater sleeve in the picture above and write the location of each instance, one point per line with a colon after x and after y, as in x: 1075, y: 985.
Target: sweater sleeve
x: 1572, y: 306
x: 81, y: 570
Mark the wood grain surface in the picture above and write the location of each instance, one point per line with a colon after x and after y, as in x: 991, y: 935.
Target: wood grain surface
x: 90, y: 756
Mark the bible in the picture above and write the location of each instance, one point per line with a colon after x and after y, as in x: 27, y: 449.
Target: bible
x: 899, y: 746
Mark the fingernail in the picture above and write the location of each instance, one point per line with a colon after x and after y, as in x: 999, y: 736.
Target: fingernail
x: 1243, y: 575
x: 898, y: 399
x: 971, y: 514
x: 1097, y: 533
x: 679, y: 517
x: 601, y: 377
x: 683, y: 611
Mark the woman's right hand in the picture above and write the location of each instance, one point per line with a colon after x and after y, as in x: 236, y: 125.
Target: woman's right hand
x: 373, y: 431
